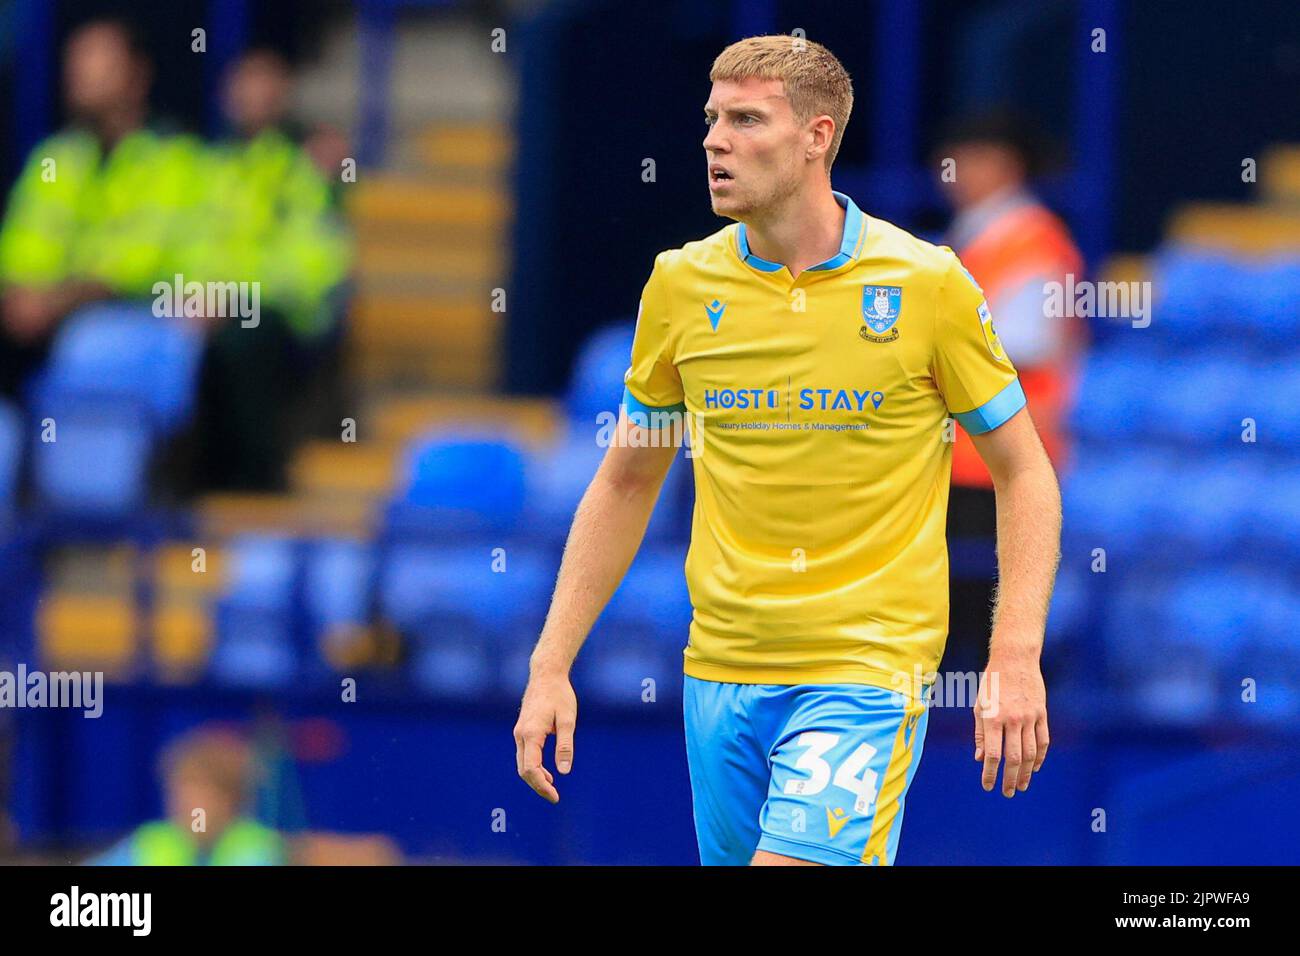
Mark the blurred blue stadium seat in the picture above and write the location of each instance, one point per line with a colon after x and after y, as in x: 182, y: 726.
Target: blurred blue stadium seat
x: 442, y: 593
x: 1158, y: 673
x: 629, y: 674
x: 337, y: 582
x: 597, y: 382
x: 1111, y: 500
x: 455, y: 483
x: 1203, y: 525
x: 1068, y: 615
x: 255, y: 613
x: 1197, y: 400
x: 558, y: 477
x: 1203, y: 514
x: 1198, y: 291
x: 1273, y: 521
x: 122, y: 351
x: 1109, y: 402
x: 1270, y: 312
x: 11, y: 458
x: 454, y: 669
x: 1269, y: 394
x: 654, y: 595
x: 118, y: 380
x: 97, y: 461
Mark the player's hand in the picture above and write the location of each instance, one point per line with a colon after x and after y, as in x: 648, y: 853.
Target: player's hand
x: 549, y: 707
x: 1011, y: 722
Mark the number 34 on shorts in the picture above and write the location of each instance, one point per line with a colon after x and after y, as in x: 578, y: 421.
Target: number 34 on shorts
x: 814, y: 772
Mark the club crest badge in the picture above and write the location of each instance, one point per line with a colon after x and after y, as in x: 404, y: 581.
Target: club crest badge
x: 881, y: 305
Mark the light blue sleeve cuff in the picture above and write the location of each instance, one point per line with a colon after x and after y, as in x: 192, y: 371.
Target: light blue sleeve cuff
x: 995, y: 411
x: 636, y: 406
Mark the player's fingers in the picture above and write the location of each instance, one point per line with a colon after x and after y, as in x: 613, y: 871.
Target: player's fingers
x: 530, y: 751
x: 1011, y: 758
x: 534, y: 774
x: 564, y: 742
x: 1028, y: 756
x: 540, y: 780
x: 992, y: 753
x: 979, y: 733
x: 1043, y: 739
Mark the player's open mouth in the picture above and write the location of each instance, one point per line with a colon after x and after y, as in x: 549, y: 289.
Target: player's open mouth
x: 717, y: 176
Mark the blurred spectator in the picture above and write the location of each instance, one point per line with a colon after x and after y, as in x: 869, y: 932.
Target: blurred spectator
x: 268, y: 218
x: 97, y: 211
x: 207, y: 775
x: 1014, y: 246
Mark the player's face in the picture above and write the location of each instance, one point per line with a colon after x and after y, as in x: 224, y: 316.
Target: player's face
x: 752, y: 148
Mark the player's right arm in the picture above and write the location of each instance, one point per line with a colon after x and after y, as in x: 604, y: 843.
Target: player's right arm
x: 606, y: 533
x: 607, y: 530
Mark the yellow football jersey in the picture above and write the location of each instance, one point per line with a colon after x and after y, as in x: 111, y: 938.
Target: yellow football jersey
x: 817, y: 411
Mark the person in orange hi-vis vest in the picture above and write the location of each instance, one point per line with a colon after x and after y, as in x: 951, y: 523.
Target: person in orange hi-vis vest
x: 1014, y: 247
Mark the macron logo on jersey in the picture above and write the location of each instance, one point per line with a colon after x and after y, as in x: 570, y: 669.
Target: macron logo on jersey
x: 715, y: 310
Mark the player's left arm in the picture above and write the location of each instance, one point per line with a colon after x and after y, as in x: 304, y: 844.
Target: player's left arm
x: 1011, y: 714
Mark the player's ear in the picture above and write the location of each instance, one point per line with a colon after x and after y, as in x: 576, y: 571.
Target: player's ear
x: 822, y: 132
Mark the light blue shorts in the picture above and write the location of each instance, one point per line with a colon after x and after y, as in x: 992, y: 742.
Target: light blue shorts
x: 811, y: 771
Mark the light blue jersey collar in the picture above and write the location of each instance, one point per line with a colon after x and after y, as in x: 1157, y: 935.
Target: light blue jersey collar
x: 850, y: 244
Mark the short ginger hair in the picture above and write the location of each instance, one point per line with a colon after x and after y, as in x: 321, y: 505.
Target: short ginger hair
x: 815, y: 81
x: 218, y: 757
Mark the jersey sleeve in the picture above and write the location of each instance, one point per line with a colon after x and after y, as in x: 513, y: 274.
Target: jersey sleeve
x: 651, y: 383
x: 971, y: 369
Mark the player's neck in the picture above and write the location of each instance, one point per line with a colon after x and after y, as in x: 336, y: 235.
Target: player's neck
x: 805, y: 229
